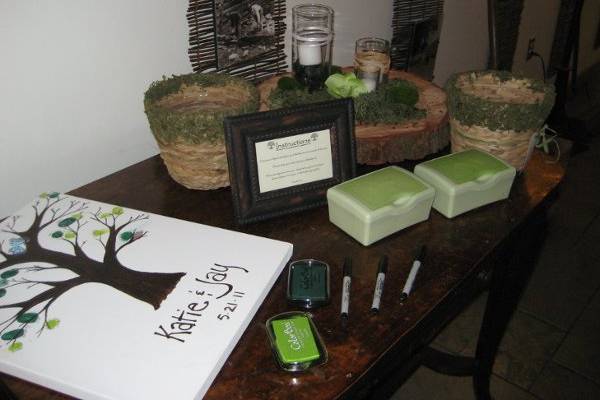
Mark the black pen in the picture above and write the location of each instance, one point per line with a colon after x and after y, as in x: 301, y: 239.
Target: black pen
x: 381, y: 271
x: 347, y: 269
x: 412, y: 274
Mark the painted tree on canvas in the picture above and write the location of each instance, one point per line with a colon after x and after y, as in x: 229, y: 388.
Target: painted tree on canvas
x: 44, y: 274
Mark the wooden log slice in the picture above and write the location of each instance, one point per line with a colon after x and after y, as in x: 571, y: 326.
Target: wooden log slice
x: 387, y: 143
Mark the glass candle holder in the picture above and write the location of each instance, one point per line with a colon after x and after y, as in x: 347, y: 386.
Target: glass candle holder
x: 312, y: 37
x: 370, y: 75
x: 372, y: 61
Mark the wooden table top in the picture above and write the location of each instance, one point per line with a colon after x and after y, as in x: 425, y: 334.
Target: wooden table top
x: 455, y: 250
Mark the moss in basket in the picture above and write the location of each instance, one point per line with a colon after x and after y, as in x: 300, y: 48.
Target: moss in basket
x: 196, y: 125
x: 471, y: 110
x: 391, y: 103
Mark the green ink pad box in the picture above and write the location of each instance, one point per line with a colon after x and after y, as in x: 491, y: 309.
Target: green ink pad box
x: 466, y: 180
x: 308, y: 283
x: 377, y: 204
x: 295, y: 342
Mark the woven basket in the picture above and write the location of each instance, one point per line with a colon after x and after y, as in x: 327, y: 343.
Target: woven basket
x: 497, y: 112
x: 186, y: 118
x: 196, y: 166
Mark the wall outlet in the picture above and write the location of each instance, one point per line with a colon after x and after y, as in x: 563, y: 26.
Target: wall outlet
x: 530, y: 48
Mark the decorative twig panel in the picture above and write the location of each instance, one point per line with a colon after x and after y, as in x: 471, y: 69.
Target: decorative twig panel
x: 416, y: 28
x: 239, y: 37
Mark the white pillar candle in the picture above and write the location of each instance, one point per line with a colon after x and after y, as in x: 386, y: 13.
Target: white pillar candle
x: 309, y: 54
x: 370, y: 83
x: 369, y: 76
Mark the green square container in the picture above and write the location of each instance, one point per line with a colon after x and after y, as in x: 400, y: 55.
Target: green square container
x: 466, y: 180
x: 377, y: 204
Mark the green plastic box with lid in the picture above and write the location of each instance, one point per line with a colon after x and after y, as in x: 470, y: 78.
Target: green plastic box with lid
x: 377, y: 204
x: 466, y: 180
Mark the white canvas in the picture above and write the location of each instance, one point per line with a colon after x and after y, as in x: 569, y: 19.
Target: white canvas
x: 108, y: 326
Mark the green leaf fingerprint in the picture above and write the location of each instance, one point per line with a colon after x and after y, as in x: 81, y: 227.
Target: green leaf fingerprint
x: 99, y: 232
x: 12, y: 335
x: 66, y: 222
x: 16, y: 346
x: 125, y: 236
x: 53, y: 323
x: 9, y: 274
x: 27, y: 318
x: 117, y: 211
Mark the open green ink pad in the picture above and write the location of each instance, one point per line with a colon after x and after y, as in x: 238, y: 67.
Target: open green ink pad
x: 295, y: 342
x: 308, y: 283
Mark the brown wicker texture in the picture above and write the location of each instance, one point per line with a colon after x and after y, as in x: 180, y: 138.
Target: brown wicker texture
x: 201, y: 166
x: 196, y: 166
x: 510, y: 146
x: 507, y: 105
x: 188, y: 127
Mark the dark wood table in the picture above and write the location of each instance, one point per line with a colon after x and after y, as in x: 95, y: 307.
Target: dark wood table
x: 493, y: 248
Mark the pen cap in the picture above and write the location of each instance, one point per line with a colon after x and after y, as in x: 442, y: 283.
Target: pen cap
x: 422, y: 253
x: 383, y: 263
x: 347, y: 268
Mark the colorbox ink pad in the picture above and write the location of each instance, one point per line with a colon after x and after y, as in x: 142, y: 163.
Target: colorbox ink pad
x: 308, y: 283
x: 295, y: 342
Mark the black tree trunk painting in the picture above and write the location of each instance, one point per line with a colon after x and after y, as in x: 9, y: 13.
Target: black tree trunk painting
x: 22, y: 257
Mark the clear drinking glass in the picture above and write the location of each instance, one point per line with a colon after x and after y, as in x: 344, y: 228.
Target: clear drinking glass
x: 312, y: 37
x: 372, y: 61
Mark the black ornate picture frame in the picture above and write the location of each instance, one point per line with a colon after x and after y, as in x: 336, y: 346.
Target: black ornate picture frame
x: 283, y: 161
x: 238, y: 37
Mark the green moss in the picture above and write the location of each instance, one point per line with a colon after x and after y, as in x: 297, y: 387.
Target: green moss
x: 279, y: 98
x: 392, y: 103
x: 194, y: 126
x: 471, y: 110
x: 383, y: 106
x: 288, y: 83
x: 401, y: 91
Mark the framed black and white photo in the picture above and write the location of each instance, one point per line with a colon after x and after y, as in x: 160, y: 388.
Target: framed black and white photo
x: 284, y: 161
x: 239, y: 37
x: 416, y: 26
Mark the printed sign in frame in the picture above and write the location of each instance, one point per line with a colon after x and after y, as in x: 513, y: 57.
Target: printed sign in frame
x: 283, y: 161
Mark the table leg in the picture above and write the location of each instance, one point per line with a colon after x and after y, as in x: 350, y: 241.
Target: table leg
x: 509, y: 279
